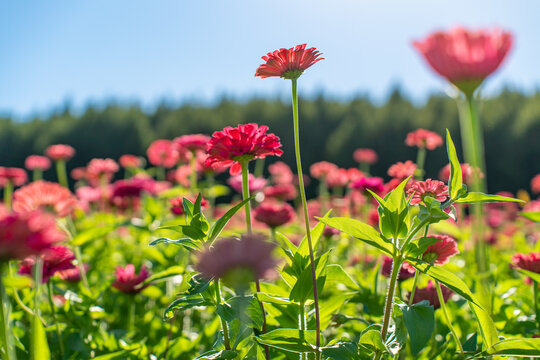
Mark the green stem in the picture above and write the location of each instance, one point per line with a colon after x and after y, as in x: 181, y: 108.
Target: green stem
x: 306, y: 215
x: 35, y: 342
x: 61, y: 173
x: 420, y: 163
x: 447, y: 317
x: 536, y: 308
x: 8, y: 192
x: 6, y: 332
x: 53, y: 313
x: 224, y: 325
x: 396, y: 266
x: 131, y: 314
x: 259, y: 167
x: 18, y: 299
x: 415, y: 282
x: 193, y: 174
x: 37, y: 174
x: 160, y: 173
x: 273, y: 234
x: 302, y: 326
x: 71, y: 232
x: 245, y: 194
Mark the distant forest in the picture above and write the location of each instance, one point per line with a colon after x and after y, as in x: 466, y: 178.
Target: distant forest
x: 330, y: 130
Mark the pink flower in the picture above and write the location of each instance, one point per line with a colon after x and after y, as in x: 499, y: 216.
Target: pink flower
x: 127, y: 281
x: 73, y: 274
x: 245, y: 142
x: 130, y: 161
x: 133, y: 188
x: 15, y: 176
x: 55, y: 258
x: 529, y: 262
x: 281, y: 192
x: 406, y: 271
x: 465, y: 57
x: 375, y: 184
x: 321, y: 169
x: 37, y: 162
x: 44, y: 195
x: 254, y: 183
x: 274, y: 214
x: 78, y: 173
x: 177, y: 204
x: 354, y: 174
x: 250, y: 253
x: 288, y: 63
x: 402, y: 170
x: 429, y: 293
x: 535, y: 184
x: 192, y: 142
x: 26, y: 234
x: 423, y: 138
x: 338, y: 178
x: 281, y: 173
x: 367, y: 156
x: 440, y: 252
x: 89, y: 194
x: 432, y: 188
x: 60, y: 152
x: 467, y: 173
x: 99, y: 169
x: 163, y: 153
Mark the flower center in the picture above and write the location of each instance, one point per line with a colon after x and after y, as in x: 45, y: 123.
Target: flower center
x: 430, y: 257
x: 292, y: 74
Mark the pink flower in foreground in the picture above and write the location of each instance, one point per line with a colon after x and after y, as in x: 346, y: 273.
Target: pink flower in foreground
x: 402, y: 170
x: 130, y: 161
x: 55, y: 259
x: 288, y: 63
x: 254, y: 183
x: 249, y: 253
x: 163, y: 153
x: 127, y: 281
x: 429, y: 293
x: 15, y: 176
x: 465, y: 57
x: 192, y: 142
x: 530, y: 262
x: 440, y: 252
x: 60, y: 152
x: 37, y: 162
x: 367, y: 156
x: 44, y: 195
x: 432, y: 188
x: 245, y: 142
x: 26, y: 234
x: 274, y: 214
x: 423, y: 138
x: 535, y: 184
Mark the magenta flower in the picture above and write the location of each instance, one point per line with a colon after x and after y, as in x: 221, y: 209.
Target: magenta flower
x: 55, y: 258
x: 129, y: 282
x: 15, y: 176
x: 423, y: 138
x: 281, y: 173
x: 37, y: 162
x: 440, y: 252
x: 402, y: 170
x: 60, y: 152
x: 432, y: 188
x: 375, y: 184
x: 529, y: 262
x: 192, y: 142
x: 274, y: 214
x: 321, y: 169
x: 367, y: 156
x: 288, y: 63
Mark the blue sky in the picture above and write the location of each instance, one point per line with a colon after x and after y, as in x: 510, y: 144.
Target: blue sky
x: 145, y: 51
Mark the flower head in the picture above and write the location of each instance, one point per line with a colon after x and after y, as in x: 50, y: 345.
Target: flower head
x: 367, y: 156
x: 274, y: 214
x: 192, y: 142
x: 46, y: 196
x: 375, y: 184
x: 402, y: 170
x: 338, y: 178
x: 133, y: 188
x: 423, y: 138
x: 288, y: 63
x: 37, y: 162
x: 535, y: 184
x: 440, y: 252
x: 406, y: 271
x: 254, y: 183
x: 27, y: 233
x: 321, y: 169
x: 429, y: 293
x: 245, y: 142
x: 281, y: 173
x: 15, y: 176
x: 467, y: 173
x: 465, y: 57
x: 60, y: 152
x: 99, y: 169
x: 129, y: 282
x: 55, y: 258
x: 529, y: 262
x: 432, y: 188
x: 73, y: 274
x: 163, y: 153
x: 130, y: 161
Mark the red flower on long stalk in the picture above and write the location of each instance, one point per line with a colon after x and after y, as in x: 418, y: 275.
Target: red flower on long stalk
x: 15, y: 176
x: 402, y: 170
x: 367, y: 156
x: 423, y: 138
x: 245, y: 142
x: 60, y: 152
x: 46, y: 196
x: 37, y: 162
x: 163, y: 153
x: 274, y: 214
x: 288, y: 63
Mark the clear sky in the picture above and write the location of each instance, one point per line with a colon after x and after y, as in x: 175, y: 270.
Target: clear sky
x: 145, y: 51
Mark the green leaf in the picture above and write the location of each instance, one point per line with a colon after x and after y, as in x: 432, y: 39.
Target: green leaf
x: 316, y: 233
x: 184, y: 303
x: 393, y: 214
x: 455, y: 183
x: 218, y: 355
x: 303, y: 288
x: 188, y: 208
x: 361, y: 231
x: 477, y: 197
x: 419, y: 319
x: 534, y: 276
x: 337, y: 274
x: 486, y: 325
x: 471, y: 344
x: 289, y: 340
x: 224, y: 220
x: 197, y: 284
x: 93, y: 233
x: 531, y: 215
x: 418, y: 246
x: 172, y: 271
x: 187, y: 243
x: 193, y: 232
x: 17, y: 282
x: 341, y: 351
x: 246, y: 308
x: 277, y: 300
x: 516, y: 347
x: 371, y: 339
x: 39, y: 348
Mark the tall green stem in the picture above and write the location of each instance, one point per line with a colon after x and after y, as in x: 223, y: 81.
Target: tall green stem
x: 396, y: 266
x: 420, y: 162
x: 7, y: 341
x: 447, y: 317
x: 224, y: 325
x: 302, y: 326
x: 536, y: 308
x: 37, y: 174
x: 61, y: 173
x: 306, y: 215
x: 55, y: 320
x: 193, y: 174
x: 37, y: 329
x: 8, y: 192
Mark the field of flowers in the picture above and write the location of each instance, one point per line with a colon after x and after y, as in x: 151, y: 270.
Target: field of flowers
x: 157, y: 265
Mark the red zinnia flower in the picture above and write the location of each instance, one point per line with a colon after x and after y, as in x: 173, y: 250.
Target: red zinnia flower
x: 274, y: 214
x: 288, y: 63
x: 192, y: 142
x: 55, y: 259
x: 127, y: 281
x: 406, y: 271
x: 467, y: 173
x: 338, y: 178
x: 73, y: 274
x: 530, y: 262
x: 429, y: 293
x: 245, y: 142
x: 402, y: 170
x: 440, y: 252
x: 535, y: 184
x: 46, y: 196
x: 321, y: 169
x: 354, y: 174
x: 423, y: 138
x: 375, y: 184
x: 78, y: 173
x: 433, y: 188
x: 130, y: 161
x: 163, y: 153
x: 15, y: 176
x: 367, y: 156
x: 26, y: 234
x: 281, y: 173
x: 99, y: 169
x: 281, y: 191
x: 254, y: 183
x: 465, y: 57
x: 133, y: 187
x: 60, y: 152
x: 37, y: 162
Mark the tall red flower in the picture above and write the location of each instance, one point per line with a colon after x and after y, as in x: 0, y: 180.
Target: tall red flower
x: 28, y: 233
x: 433, y: 188
x: 37, y: 162
x: 274, y: 214
x: 367, y: 156
x: 321, y: 169
x: 465, y: 57
x: 15, y: 176
x: 423, y: 138
x: 192, y: 142
x: 60, y: 152
x: 288, y: 63
x: 46, y: 196
x: 529, y: 262
x: 402, y: 170
x: 440, y: 252
x: 130, y: 161
x: 56, y: 258
x: 245, y: 142
x: 129, y: 282
x: 375, y: 184
x: 163, y: 153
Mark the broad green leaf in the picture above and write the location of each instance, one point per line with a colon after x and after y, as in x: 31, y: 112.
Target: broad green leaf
x: 193, y: 232
x: 477, y: 197
x: 419, y: 319
x: 93, y: 233
x: 516, y: 347
x: 531, y: 215
x: 278, y: 300
x: 289, y: 340
x: 418, y: 246
x: 172, y: 271
x: 187, y: 243
x: 245, y: 308
x: 218, y: 355
x: 486, y: 325
x: 188, y: 208
x: 18, y: 282
x: 316, y: 233
x: 341, y: 351
x: 183, y: 303
x: 534, y: 276
x: 224, y: 220
x: 303, y: 288
x: 335, y: 273
x: 471, y: 344
x: 361, y: 231
x: 371, y: 339
x: 39, y: 348
x: 455, y: 183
